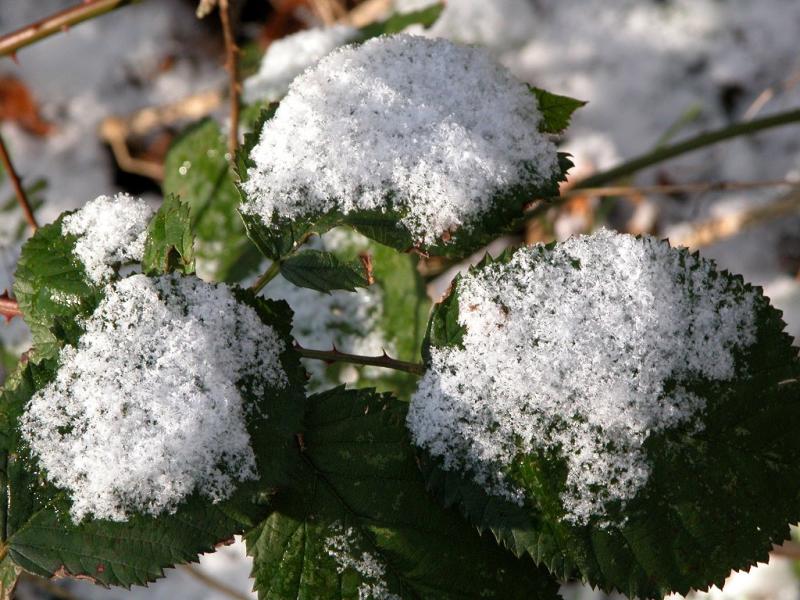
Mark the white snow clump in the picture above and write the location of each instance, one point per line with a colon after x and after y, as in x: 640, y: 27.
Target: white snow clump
x: 371, y: 122
x: 583, y: 351
x: 111, y: 231
x: 146, y: 409
x: 289, y: 56
x: 341, y: 547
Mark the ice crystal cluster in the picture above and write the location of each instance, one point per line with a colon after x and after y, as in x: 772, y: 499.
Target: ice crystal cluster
x: 288, y: 57
x: 369, y: 128
x: 148, y: 408
x: 340, y: 545
x: 111, y: 231
x: 584, y: 351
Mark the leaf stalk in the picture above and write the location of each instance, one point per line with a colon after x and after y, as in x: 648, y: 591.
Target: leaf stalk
x: 384, y: 361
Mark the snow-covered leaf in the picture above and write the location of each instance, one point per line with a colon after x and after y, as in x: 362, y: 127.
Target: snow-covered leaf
x: 682, y: 474
x: 409, y: 190
x: 51, y: 286
x: 197, y: 170
x: 41, y: 533
x: 357, y: 522
x: 170, y: 241
x: 325, y: 271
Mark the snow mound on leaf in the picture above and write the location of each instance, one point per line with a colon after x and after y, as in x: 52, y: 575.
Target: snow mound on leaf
x: 369, y: 128
x: 583, y: 350
x: 111, y: 231
x: 288, y: 57
x: 150, y: 405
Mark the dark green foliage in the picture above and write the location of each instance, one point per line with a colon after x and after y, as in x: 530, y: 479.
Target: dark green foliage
x: 198, y: 172
x: 170, y: 242
x: 356, y: 476
x: 325, y: 272
x: 556, y: 110
x: 715, y: 500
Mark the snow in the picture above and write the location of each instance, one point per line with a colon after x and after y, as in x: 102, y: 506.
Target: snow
x: 111, y: 231
x: 340, y: 546
x: 584, y: 351
x: 368, y: 128
x: 149, y: 406
x: 288, y: 57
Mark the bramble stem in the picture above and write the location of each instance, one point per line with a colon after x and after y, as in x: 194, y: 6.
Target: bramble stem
x: 710, y: 138
x: 385, y: 361
x: 57, y: 22
x: 271, y: 274
x: 232, y: 65
x: 22, y: 198
x: 9, y: 308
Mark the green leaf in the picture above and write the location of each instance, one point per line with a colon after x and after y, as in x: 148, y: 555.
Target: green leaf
x: 196, y: 170
x: 9, y: 573
x: 556, y: 110
x: 52, y: 288
x: 399, y: 22
x: 41, y: 537
x: 359, y: 500
x: 715, y: 500
x: 324, y: 271
x: 170, y: 242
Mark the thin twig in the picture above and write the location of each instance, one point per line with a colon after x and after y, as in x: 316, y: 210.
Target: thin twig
x: 232, y: 65
x: 58, y: 22
x: 715, y: 230
x: 695, y: 143
x: 214, y: 584
x: 702, y: 187
x: 385, y: 361
x: 22, y: 198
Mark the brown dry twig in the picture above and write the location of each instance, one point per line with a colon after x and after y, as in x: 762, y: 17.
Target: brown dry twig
x: 22, y: 198
x: 56, y: 23
x: 232, y: 65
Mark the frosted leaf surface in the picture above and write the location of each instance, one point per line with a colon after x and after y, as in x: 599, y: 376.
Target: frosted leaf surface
x: 369, y: 129
x: 584, y: 351
x: 111, y: 231
x: 148, y: 408
x: 342, y: 547
x: 288, y: 57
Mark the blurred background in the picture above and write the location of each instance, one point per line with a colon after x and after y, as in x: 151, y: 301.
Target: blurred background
x: 93, y: 110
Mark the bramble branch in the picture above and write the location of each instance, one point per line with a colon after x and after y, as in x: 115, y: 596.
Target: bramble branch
x: 695, y: 143
x: 22, y: 198
x: 55, y: 23
x: 232, y: 65
x: 385, y: 361
x: 9, y: 307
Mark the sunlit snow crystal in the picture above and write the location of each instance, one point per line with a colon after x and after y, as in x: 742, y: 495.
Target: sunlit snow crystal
x: 147, y: 409
x: 572, y: 350
x: 342, y: 546
x: 111, y: 231
x: 288, y: 57
x: 440, y: 127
